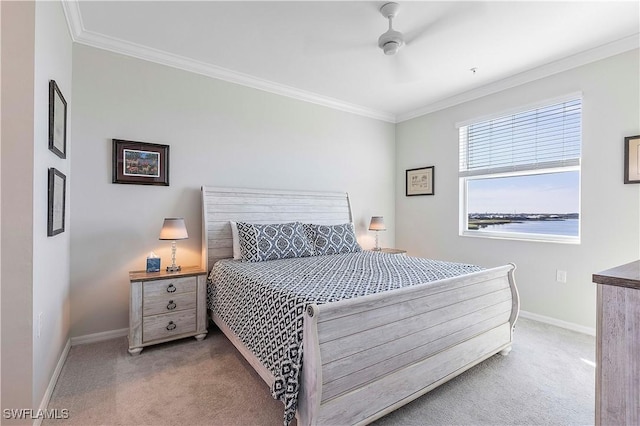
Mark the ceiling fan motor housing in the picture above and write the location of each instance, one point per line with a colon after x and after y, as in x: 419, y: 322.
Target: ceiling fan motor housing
x: 390, y: 42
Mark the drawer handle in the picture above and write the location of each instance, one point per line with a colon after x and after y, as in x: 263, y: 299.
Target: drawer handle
x: 171, y: 288
x: 171, y: 306
x: 171, y: 326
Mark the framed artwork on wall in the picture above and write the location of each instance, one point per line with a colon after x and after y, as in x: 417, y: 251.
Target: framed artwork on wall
x: 57, y: 121
x: 420, y: 181
x: 632, y: 159
x: 140, y: 163
x: 57, y: 201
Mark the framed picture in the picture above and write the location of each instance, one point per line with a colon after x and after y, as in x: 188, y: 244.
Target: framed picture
x: 57, y: 121
x: 140, y: 163
x: 420, y: 181
x: 632, y: 159
x: 57, y: 197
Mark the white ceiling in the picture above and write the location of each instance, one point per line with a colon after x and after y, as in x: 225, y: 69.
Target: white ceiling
x: 326, y: 52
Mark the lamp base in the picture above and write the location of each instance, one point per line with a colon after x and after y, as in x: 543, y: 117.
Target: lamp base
x: 173, y: 268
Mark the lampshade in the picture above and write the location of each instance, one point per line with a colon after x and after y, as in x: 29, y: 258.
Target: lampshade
x: 173, y: 228
x: 377, y: 224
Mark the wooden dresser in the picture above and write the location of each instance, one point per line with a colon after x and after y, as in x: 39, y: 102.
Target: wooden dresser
x: 618, y: 346
x: 165, y: 306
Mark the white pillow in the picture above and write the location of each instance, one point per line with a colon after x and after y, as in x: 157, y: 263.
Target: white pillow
x: 237, y: 254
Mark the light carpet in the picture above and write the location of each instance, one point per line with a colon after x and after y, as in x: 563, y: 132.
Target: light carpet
x: 548, y: 379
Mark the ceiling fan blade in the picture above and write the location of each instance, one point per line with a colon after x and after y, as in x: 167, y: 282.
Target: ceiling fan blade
x: 410, y: 37
x: 404, y: 70
x: 455, y: 13
x: 323, y: 47
x: 340, y: 52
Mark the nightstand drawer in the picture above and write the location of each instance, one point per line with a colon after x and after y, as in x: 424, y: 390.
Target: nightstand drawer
x: 169, y: 286
x: 167, y: 325
x: 168, y: 303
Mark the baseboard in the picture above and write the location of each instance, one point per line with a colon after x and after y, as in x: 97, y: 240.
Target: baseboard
x: 80, y: 340
x: 52, y: 383
x: 559, y: 323
x: 99, y: 337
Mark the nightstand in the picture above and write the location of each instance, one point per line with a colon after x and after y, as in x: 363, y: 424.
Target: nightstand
x: 165, y: 306
x: 391, y: 251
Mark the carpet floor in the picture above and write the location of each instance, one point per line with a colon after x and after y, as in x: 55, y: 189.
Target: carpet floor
x: 548, y: 379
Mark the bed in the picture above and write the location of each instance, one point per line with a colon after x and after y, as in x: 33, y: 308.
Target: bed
x: 361, y: 357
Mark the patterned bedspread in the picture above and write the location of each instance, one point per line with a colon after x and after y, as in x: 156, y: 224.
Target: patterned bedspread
x: 263, y: 303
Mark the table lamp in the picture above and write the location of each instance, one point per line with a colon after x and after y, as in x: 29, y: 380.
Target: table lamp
x: 173, y: 229
x: 377, y: 224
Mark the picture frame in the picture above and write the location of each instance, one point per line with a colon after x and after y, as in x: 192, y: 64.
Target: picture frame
x: 632, y: 159
x: 57, y: 202
x: 420, y: 181
x: 140, y: 163
x: 57, y: 121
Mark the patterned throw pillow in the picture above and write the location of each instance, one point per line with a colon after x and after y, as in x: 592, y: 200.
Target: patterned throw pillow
x: 332, y: 239
x: 271, y: 242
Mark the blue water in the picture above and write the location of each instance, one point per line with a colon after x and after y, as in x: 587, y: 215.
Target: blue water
x: 548, y: 227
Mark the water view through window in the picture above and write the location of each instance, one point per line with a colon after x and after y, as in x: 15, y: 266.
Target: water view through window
x: 543, y: 204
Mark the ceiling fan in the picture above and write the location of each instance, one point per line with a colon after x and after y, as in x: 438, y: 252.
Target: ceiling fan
x: 391, y: 41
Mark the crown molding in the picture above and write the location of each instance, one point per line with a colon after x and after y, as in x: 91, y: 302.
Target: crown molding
x: 74, y: 19
x: 80, y: 35
x: 579, y: 59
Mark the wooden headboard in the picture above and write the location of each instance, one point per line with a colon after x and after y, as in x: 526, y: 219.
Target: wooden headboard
x: 220, y: 205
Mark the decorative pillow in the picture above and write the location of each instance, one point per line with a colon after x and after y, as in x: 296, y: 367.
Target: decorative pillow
x: 237, y: 254
x: 332, y: 239
x: 271, y: 242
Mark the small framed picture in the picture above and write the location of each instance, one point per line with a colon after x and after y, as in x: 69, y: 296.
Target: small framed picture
x: 420, y: 181
x: 56, y: 205
x: 153, y: 264
x: 632, y: 159
x: 140, y: 163
x: 57, y: 121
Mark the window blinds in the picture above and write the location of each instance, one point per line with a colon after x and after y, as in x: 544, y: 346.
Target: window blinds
x: 542, y: 138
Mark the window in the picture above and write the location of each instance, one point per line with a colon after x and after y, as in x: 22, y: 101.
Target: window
x: 520, y: 174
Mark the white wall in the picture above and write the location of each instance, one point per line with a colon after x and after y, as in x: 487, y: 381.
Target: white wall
x: 36, y: 47
x: 53, y: 48
x: 220, y: 134
x: 18, y: 20
x: 428, y: 226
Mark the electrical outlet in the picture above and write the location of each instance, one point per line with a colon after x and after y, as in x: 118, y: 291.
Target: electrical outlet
x: 39, y: 324
x: 561, y: 276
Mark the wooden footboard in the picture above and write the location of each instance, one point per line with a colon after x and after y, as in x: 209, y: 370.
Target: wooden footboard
x: 367, y: 356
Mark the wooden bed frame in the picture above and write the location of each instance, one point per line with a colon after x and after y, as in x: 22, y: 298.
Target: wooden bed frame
x: 367, y: 356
